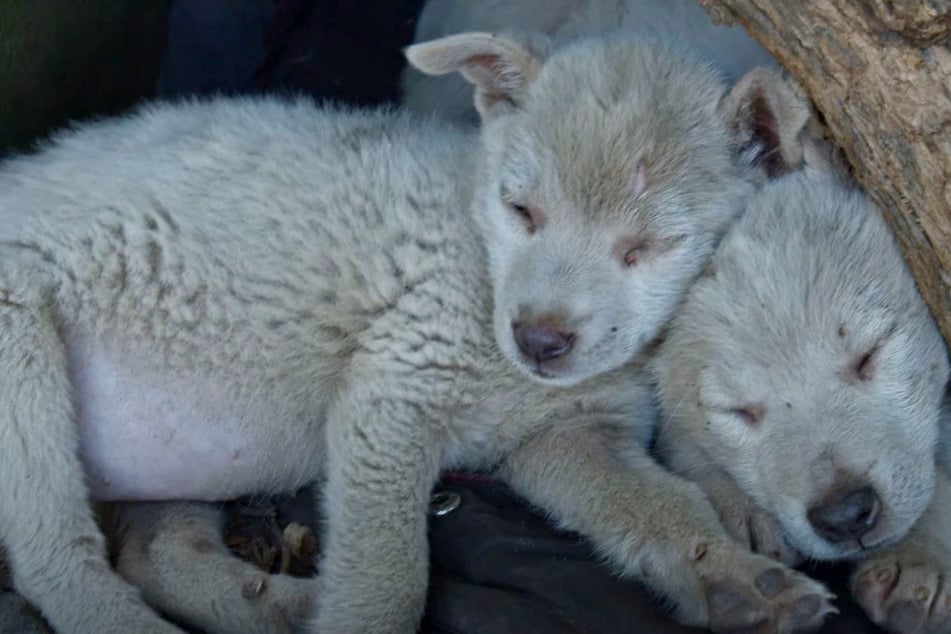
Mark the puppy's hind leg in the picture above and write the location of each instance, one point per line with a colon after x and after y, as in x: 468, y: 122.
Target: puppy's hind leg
x: 175, y: 554
x: 57, y: 552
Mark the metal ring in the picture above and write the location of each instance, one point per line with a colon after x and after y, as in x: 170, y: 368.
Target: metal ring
x: 444, y: 502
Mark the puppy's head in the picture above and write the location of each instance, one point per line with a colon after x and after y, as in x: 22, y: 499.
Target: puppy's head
x: 610, y: 170
x: 806, y: 365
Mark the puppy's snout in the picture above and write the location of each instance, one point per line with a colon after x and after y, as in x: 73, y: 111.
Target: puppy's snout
x: 846, y: 516
x: 542, y: 342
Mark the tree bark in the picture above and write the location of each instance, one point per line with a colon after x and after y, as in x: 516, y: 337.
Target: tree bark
x: 879, y: 72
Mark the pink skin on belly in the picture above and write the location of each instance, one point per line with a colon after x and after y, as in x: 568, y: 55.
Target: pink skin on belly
x: 153, y: 435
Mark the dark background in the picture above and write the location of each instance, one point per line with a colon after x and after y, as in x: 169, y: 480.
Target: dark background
x: 63, y: 60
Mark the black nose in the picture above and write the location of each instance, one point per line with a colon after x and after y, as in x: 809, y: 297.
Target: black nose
x: 542, y: 343
x: 847, y: 516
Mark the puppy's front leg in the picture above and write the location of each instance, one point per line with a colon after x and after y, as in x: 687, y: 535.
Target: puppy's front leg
x: 660, y: 528
x: 740, y: 514
x: 907, y: 588
x: 743, y: 518
x: 383, y: 461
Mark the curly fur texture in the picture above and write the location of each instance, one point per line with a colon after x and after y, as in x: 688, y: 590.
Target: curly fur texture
x: 211, y: 299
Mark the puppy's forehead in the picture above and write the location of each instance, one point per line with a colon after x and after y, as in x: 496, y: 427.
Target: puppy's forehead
x: 807, y: 279
x: 835, y: 264
x: 646, y: 105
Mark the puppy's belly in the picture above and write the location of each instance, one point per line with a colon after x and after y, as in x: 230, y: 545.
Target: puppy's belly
x: 147, y: 434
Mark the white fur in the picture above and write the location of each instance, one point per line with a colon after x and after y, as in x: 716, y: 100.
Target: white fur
x: 286, y: 293
x: 680, y: 23
x: 744, y: 340
x: 805, y: 284
x: 779, y: 325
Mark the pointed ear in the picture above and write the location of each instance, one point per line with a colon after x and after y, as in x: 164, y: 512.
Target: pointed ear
x: 769, y: 114
x: 500, y: 67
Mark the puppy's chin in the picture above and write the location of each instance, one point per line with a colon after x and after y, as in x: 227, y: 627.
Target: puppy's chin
x: 562, y: 376
x: 821, y: 551
x: 814, y: 547
x: 809, y: 545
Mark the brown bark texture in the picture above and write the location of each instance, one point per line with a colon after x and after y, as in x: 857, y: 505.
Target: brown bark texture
x: 879, y: 72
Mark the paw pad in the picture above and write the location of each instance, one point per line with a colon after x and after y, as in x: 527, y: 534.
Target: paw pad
x: 771, y: 582
x: 883, y: 575
x: 802, y: 609
x: 913, y: 597
x: 729, y: 605
x: 769, y: 598
x: 905, y: 616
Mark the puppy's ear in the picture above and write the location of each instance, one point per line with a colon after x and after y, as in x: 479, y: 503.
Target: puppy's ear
x: 769, y: 114
x: 500, y: 67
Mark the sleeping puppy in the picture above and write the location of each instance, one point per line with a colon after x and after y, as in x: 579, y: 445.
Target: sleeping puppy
x: 801, y: 386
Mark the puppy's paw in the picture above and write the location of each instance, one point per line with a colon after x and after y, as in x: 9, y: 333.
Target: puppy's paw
x: 905, y: 592
x: 748, y: 524
x: 277, y: 603
x: 763, y: 534
x: 751, y: 593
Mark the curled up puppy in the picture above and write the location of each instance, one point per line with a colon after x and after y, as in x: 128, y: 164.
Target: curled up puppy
x: 801, y: 386
x: 212, y: 299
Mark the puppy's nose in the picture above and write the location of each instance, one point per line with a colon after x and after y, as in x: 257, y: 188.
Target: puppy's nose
x: 541, y: 342
x: 846, y: 517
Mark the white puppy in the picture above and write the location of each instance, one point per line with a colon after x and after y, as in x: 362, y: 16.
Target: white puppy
x: 801, y: 385
x: 206, y: 300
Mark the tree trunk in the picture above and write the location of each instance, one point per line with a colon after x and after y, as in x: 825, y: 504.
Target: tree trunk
x: 879, y: 71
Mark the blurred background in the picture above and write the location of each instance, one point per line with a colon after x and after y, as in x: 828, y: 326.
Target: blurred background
x: 63, y: 60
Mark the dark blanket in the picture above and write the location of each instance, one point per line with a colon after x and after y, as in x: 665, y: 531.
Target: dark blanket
x: 499, y: 568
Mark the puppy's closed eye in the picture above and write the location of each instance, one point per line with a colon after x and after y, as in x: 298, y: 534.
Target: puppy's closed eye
x: 636, y: 250
x: 530, y: 216
x: 749, y: 414
x: 865, y: 366
x: 635, y: 253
